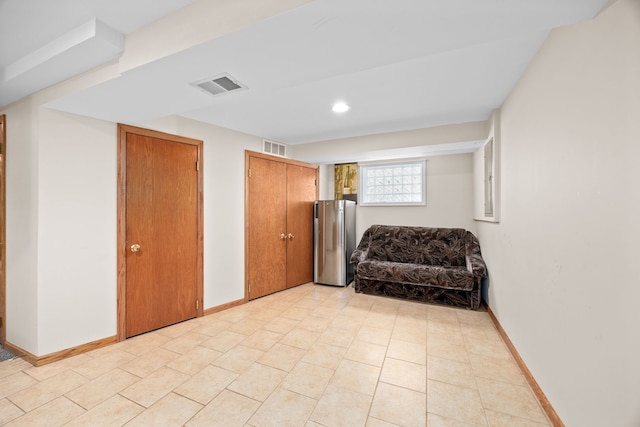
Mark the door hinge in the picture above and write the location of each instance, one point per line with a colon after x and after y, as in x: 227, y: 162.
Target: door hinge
x: 249, y: 173
x: 198, y: 166
x: 249, y: 288
x: 197, y: 304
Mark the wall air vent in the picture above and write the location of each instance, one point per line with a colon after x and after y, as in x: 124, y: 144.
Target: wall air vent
x: 219, y: 85
x: 274, y: 148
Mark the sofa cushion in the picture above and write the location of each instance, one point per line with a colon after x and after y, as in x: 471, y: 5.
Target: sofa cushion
x: 416, y: 274
x: 418, y: 245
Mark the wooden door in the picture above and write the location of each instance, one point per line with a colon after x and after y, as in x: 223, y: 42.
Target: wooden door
x: 162, y: 253
x: 301, y: 192
x: 267, y: 226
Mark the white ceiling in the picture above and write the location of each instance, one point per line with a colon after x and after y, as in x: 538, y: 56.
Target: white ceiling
x: 400, y: 64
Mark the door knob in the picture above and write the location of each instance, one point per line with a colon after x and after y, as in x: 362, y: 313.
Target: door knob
x: 283, y: 236
x: 291, y: 236
x: 135, y: 247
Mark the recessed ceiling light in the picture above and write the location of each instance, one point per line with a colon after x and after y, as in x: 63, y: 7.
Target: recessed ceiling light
x: 340, y: 107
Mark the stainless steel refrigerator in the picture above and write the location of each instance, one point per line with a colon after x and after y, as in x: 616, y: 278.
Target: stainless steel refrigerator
x: 334, y: 238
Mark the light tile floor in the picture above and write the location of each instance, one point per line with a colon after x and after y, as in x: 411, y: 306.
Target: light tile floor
x: 310, y: 356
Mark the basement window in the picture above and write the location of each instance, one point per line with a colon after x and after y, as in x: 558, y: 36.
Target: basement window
x: 393, y: 184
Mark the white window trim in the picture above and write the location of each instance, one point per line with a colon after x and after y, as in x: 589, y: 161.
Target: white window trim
x: 362, y: 188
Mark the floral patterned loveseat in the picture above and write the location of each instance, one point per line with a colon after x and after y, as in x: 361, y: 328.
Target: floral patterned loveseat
x: 438, y: 265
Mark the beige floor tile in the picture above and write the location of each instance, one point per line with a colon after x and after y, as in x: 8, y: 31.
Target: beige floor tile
x: 326, y: 355
x: 455, y: 402
x: 404, y: 374
x: 417, y: 335
x: 281, y: 325
x: 300, y: 338
x: 13, y: 366
x: 328, y: 412
x: 374, y: 335
x: 45, y: 391
x: 283, y: 408
x: 305, y: 353
x: 171, y: 410
x: 413, y: 309
x: 186, y: 342
x: 224, y: 341
x: 144, y: 343
x: 149, y: 390
x: 380, y: 320
x: 41, y: 373
x: 147, y: 363
x: 8, y: 411
x: 450, y: 372
x: 296, y: 313
x: 206, y: 385
x: 238, y: 358
x: 103, y: 362
x: 399, y: 405
x: 353, y: 313
x: 356, y: 376
x: 194, y: 360
x: 339, y: 337
x: 247, y: 326
x: 442, y: 313
x: 232, y: 315
x: 283, y: 357
x: 408, y: 351
x: 262, y: 340
x: 177, y: 330
x: 257, y: 382
x: 434, y: 420
x: 487, y: 347
x: 498, y: 419
x: 55, y: 413
x: 212, y: 327
x: 447, y: 348
x: 314, y: 323
x: 346, y: 322
x: 365, y: 352
x: 102, y: 388
x: 266, y: 314
x: 375, y: 422
x: 227, y: 409
x: 115, y: 411
x: 510, y: 399
x: 504, y: 370
x: 14, y: 383
x: 326, y: 312
x: 309, y: 380
x: 307, y: 303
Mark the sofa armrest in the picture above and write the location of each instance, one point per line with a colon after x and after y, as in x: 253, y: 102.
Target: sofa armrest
x: 476, y: 265
x: 473, y: 256
x: 360, y: 254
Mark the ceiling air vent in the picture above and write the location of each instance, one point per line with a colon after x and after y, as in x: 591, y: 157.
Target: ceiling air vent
x: 275, y: 148
x: 219, y: 85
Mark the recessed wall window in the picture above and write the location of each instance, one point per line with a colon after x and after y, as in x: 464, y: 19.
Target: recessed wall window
x: 393, y: 184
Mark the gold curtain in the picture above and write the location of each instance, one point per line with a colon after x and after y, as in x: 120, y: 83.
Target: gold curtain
x: 346, y: 181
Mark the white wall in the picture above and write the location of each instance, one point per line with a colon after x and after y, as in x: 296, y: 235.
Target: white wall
x: 563, y: 261
x: 21, y: 225
x: 449, y: 199
x: 76, y: 231
x: 449, y: 178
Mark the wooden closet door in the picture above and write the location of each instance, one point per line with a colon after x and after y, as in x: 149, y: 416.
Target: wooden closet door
x: 301, y: 193
x: 267, y: 251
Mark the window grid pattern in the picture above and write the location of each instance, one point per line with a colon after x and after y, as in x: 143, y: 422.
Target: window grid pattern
x: 393, y: 184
